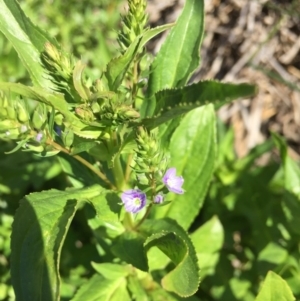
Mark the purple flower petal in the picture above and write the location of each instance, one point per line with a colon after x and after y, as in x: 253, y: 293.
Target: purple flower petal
x: 172, y: 181
x: 158, y: 199
x: 134, y: 200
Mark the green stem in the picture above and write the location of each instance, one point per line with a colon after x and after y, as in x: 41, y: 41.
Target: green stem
x: 144, y: 217
x: 118, y: 173
x: 128, y: 222
x: 84, y: 162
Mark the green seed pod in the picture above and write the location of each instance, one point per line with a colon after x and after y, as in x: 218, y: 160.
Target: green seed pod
x: 84, y: 113
x: 39, y: 117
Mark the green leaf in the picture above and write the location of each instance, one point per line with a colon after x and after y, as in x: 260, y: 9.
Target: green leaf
x: 82, y: 145
x: 137, y: 291
x: 275, y: 289
x: 111, y: 270
x: 98, y: 288
x: 175, y: 102
x: 107, y: 206
x: 179, y: 55
x: 38, y: 233
x: 273, y: 253
x: 129, y: 247
x: 172, y: 240
x: 151, y: 33
x: 27, y: 39
x: 193, y: 153
x: 208, y: 241
x: 117, y: 67
x: 291, y: 168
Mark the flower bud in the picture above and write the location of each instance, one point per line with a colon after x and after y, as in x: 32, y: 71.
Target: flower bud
x: 22, y: 113
x: 52, y: 51
x: 39, y: 117
x: 38, y: 148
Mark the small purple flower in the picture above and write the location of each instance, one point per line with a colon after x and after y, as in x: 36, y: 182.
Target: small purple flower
x: 134, y: 200
x: 172, y: 181
x: 39, y: 137
x: 158, y: 199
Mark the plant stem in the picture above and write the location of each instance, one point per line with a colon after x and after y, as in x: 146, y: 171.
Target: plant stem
x: 144, y: 217
x: 118, y: 173
x: 128, y: 167
x: 101, y: 175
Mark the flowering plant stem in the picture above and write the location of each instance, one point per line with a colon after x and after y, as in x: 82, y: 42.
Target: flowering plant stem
x: 101, y: 175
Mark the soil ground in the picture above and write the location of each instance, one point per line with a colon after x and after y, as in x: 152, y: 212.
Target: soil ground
x: 255, y: 41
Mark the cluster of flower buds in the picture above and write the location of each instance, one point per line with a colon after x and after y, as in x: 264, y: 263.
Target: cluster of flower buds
x: 151, y: 174
x: 149, y: 158
x: 17, y: 123
x: 14, y: 118
x: 60, y: 67
x: 133, y: 23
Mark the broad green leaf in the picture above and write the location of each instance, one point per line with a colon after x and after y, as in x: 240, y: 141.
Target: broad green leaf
x: 76, y: 172
x: 129, y: 247
x: 111, y: 270
x: 137, y: 291
x: 273, y: 253
x: 175, y: 102
x: 193, y: 152
x: 38, y: 233
x: 208, y: 240
x: 291, y: 168
x: 27, y: 39
x: 159, y: 294
x: 82, y: 146
x: 275, y: 289
x: 107, y: 206
x: 99, y: 288
x: 58, y: 102
x: 172, y: 240
x: 179, y: 55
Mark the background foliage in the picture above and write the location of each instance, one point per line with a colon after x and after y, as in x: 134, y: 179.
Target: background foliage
x: 249, y: 223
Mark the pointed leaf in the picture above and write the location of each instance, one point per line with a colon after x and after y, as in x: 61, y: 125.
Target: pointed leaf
x: 27, y: 39
x: 274, y: 289
x: 151, y: 33
x: 193, y: 153
x: 117, y: 67
x: 38, y: 233
x: 179, y: 55
x: 175, y: 102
